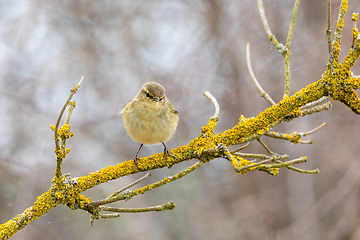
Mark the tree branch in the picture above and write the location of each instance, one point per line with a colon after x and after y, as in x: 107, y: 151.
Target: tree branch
x: 337, y: 82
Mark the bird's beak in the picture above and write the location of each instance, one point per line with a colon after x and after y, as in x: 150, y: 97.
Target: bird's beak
x: 156, y: 99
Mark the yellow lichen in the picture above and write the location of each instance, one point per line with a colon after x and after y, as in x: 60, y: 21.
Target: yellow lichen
x: 355, y: 32
x: 294, y: 138
x: 72, y: 103
x: 64, y: 132
x: 75, y: 89
x: 240, y: 163
x: 337, y: 82
x: 344, y: 6
x: 274, y: 171
x: 355, y: 17
x: 247, y: 127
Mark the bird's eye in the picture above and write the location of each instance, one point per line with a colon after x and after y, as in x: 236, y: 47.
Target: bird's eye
x: 147, y: 94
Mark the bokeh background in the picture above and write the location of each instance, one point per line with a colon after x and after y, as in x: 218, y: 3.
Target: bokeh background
x: 188, y: 46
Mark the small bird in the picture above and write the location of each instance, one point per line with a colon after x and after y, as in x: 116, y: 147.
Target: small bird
x: 150, y: 118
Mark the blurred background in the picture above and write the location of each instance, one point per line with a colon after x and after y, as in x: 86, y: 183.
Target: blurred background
x: 187, y: 46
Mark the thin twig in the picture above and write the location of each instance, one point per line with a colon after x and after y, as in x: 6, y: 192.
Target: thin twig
x: 312, y: 131
x: 280, y: 47
x: 339, y: 29
x: 340, y: 19
x: 130, y: 185
x: 70, y: 110
x: 300, y: 170
x: 284, y: 50
x: 294, y: 137
x: 316, y: 109
x: 56, y: 138
x: 262, y: 166
x: 280, y: 164
x: 328, y: 33
x: 162, y: 207
x: 253, y: 165
x: 73, y: 91
x: 240, y: 148
x: 109, y: 215
x: 214, y: 101
x: 354, y: 19
x: 260, y: 156
x: 309, y: 105
x: 57, y: 145
x: 292, y: 24
x: 266, y: 147
x: 129, y: 194
x: 287, y: 53
x: 252, y: 75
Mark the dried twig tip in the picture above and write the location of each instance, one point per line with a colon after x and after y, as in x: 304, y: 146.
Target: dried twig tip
x: 214, y: 101
x: 82, y: 78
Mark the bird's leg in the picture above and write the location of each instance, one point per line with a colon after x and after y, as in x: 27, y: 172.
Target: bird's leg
x: 166, y: 152
x: 136, y: 157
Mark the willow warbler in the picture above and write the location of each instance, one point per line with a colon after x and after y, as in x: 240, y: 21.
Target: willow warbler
x: 150, y: 118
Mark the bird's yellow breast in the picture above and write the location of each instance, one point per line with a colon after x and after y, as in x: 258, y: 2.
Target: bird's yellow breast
x: 150, y: 122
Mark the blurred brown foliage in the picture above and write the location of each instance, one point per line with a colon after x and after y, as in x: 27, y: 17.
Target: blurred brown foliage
x: 188, y: 46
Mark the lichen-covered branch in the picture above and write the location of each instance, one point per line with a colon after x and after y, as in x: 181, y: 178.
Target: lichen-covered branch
x: 337, y: 82
x: 294, y: 137
x: 129, y: 194
x: 354, y: 19
x: 339, y: 30
x: 42, y: 205
x: 61, y: 151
